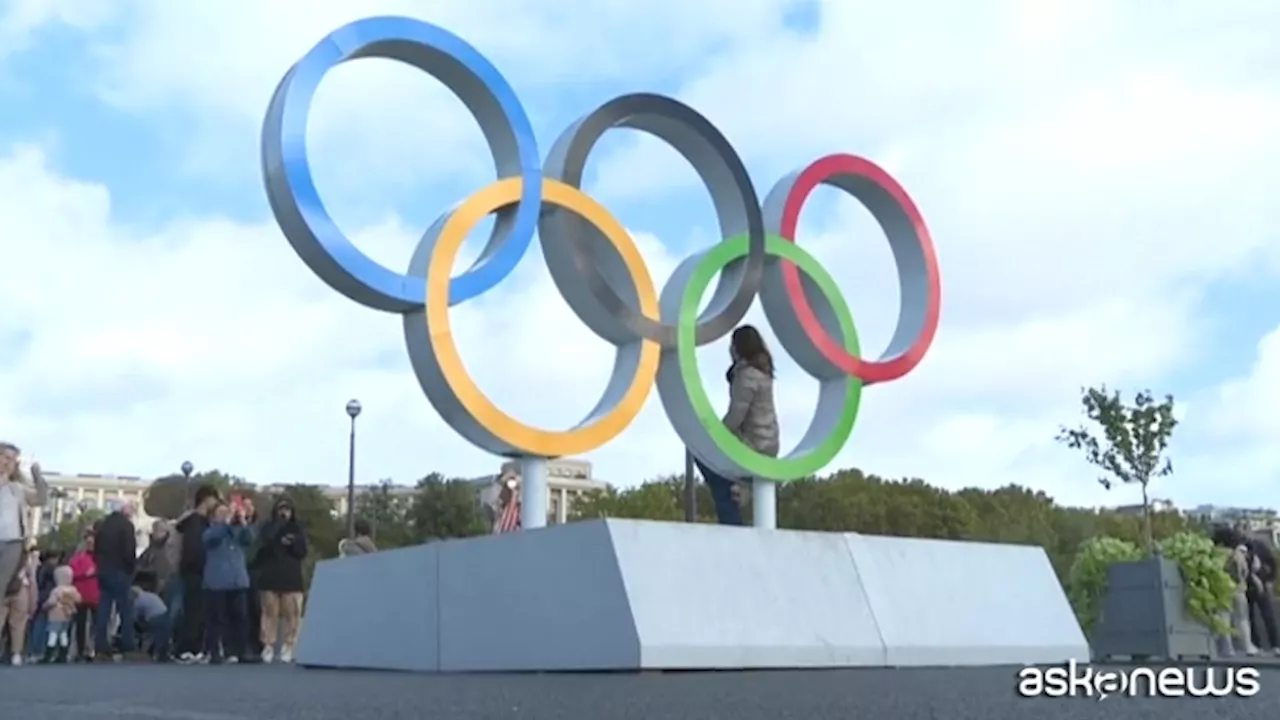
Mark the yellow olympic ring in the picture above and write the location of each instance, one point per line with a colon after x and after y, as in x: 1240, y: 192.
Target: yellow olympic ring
x: 593, y: 432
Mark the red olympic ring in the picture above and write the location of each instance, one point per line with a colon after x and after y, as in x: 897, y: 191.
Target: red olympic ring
x: 829, y: 171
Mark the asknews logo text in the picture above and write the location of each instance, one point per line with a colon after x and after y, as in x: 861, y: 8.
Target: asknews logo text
x: 1081, y: 680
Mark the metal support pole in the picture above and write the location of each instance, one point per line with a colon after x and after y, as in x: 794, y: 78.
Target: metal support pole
x: 351, y: 483
x: 764, y: 504
x: 690, y: 489
x: 533, y: 493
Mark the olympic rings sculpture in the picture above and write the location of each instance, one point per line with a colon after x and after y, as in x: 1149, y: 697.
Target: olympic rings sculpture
x: 596, y: 266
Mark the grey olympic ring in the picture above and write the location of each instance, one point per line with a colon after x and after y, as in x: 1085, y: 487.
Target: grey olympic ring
x: 575, y: 251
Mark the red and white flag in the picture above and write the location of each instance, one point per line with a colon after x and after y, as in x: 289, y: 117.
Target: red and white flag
x: 509, y: 521
x: 509, y: 517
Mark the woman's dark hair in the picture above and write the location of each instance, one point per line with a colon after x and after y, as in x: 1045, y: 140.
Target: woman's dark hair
x: 750, y: 348
x: 362, y: 527
x: 204, y: 492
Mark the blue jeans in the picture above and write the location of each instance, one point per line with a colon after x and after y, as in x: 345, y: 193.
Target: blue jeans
x: 117, y: 595
x: 173, y: 599
x: 159, y: 629
x: 39, y: 634
x: 728, y: 512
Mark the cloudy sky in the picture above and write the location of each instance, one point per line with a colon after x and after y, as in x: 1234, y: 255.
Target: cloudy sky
x: 1099, y: 177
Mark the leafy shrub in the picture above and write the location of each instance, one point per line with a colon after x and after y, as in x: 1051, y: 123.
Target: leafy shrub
x: 1209, y: 589
x: 1087, y: 578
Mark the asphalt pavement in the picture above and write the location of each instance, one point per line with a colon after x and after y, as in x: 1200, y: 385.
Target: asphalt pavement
x: 147, y: 692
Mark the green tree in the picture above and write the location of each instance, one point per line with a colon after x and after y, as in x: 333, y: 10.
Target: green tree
x: 1132, y: 443
x: 388, y: 514
x: 851, y: 501
x: 66, y: 535
x: 446, y: 509
x: 658, y: 499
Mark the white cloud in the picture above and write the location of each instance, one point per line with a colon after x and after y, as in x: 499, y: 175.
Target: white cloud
x: 1087, y: 169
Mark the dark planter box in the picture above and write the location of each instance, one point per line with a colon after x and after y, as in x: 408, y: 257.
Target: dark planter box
x: 1144, y: 615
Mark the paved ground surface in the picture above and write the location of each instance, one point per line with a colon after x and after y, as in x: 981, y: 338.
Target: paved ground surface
x: 269, y: 692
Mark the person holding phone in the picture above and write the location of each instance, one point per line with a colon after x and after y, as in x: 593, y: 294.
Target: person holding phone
x: 279, y: 568
x: 225, y: 585
x: 22, y: 486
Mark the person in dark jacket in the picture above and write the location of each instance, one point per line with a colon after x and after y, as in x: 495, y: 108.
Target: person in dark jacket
x: 188, y: 603
x: 1260, y: 593
x: 279, y: 570
x: 115, y: 550
x: 226, y: 582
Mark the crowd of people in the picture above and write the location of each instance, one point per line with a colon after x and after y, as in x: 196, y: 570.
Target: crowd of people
x: 217, y: 585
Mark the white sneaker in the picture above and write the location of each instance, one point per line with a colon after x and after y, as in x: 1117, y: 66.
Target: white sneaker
x: 269, y: 655
x: 15, y: 660
x: 233, y: 660
x: 286, y: 654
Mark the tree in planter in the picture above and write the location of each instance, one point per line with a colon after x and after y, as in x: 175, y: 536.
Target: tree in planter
x: 1209, y: 590
x: 1132, y: 445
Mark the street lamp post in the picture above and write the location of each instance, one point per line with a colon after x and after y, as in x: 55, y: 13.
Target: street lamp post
x: 188, y: 493
x: 353, y: 411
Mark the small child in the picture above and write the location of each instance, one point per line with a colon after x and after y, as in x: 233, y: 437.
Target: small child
x: 61, y: 607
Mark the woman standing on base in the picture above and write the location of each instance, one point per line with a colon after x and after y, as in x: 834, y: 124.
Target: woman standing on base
x: 751, y: 416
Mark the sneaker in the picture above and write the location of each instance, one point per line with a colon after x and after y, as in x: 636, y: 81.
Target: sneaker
x: 16, y: 660
x: 233, y: 660
x: 286, y: 654
x: 268, y: 655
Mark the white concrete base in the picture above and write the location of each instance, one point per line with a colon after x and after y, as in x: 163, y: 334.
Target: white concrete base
x: 634, y: 595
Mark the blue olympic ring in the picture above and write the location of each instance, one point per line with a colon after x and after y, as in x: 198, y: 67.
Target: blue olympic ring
x: 297, y: 205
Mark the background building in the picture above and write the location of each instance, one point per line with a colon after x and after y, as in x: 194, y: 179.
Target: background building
x: 567, y: 480
x: 338, y: 495
x: 71, y: 495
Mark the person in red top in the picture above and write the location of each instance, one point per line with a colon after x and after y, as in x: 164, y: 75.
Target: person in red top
x: 84, y: 573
